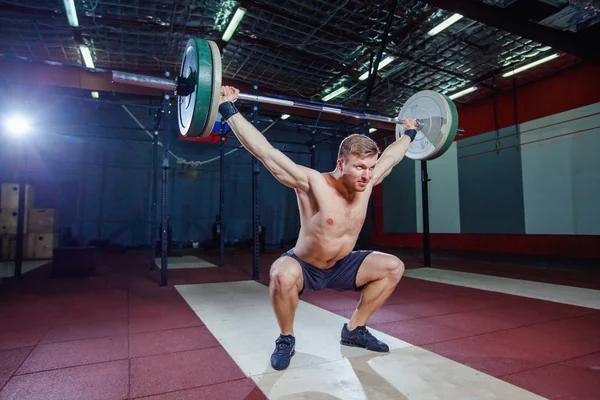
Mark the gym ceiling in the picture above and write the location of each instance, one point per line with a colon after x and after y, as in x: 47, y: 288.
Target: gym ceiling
x: 308, y: 49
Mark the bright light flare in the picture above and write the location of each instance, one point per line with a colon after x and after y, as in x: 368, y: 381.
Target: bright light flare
x: 17, y: 124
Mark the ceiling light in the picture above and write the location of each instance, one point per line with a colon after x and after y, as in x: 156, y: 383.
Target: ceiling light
x: 371, y: 130
x: 87, y: 56
x: 17, y: 124
x: 385, y: 62
x: 462, y: 92
x: 95, y: 95
x: 233, y: 24
x: 444, y: 24
x: 381, y: 65
x: 285, y: 116
x: 531, y: 65
x: 71, y: 12
x: 335, y: 93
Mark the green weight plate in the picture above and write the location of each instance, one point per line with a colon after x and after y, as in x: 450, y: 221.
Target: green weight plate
x: 216, y: 88
x: 439, y: 117
x: 198, y: 111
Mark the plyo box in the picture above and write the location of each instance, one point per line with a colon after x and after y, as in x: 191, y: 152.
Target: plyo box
x: 8, y: 248
x: 10, y: 196
x: 43, y: 220
x: 9, y: 218
x: 40, y: 245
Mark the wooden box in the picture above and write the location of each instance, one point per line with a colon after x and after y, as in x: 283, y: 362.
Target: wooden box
x: 9, y: 219
x: 43, y: 220
x: 40, y: 245
x: 8, y: 247
x: 10, y: 196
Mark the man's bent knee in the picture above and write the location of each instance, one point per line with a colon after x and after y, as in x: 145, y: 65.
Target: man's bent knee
x: 285, y: 277
x: 395, y: 269
x: 284, y: 282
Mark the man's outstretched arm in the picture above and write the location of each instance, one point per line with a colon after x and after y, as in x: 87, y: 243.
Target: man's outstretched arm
x: 281, y: 166
x: 394, y: 153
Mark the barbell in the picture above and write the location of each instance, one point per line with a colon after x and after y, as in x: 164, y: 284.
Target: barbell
x: 198, y: 89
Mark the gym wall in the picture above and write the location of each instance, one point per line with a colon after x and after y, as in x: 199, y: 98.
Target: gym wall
x: 561, y: 173
x: 491, y: 188
x: 530, y: 187
x: 93, y: 163
x: 444, y: 212
x: 399, y: 196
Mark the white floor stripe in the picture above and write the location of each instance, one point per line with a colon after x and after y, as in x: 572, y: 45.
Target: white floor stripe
x: 7, y: 268
x: 186, y: 262
x: 538, y: 290
x: 240, y: 316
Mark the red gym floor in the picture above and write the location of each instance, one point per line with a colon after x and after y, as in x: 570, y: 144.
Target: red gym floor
x: 119, y: 335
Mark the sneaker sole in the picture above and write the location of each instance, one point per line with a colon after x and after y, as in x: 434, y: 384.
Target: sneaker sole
x: 352, y: 344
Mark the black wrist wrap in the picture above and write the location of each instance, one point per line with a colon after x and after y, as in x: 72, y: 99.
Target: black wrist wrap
x: 411, y: 133
x: 227, y: 109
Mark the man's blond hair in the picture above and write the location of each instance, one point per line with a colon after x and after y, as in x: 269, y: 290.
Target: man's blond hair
x: 358, y: 145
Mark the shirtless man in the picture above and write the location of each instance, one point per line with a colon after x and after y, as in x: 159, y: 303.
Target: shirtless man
x: 332, y: 208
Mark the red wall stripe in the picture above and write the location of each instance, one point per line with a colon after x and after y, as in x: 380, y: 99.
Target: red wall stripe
x: 579, y: 246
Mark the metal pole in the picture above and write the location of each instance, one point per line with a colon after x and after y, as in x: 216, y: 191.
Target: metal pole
x: 255, y: 172
x: 222, y: 196
x: 82, y: 190
x: 516, y: 113
x: 166, y: 84
x: 153, y: 226
x: 153, y: 82
x: 100, y: 227
x: 21, y: 210
x: 318, y: 107
x: 382, y: 44
x: 425, y: 203
x: 165, y: 191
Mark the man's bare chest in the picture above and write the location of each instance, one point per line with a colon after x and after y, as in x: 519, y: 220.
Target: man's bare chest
x: 339, y: 216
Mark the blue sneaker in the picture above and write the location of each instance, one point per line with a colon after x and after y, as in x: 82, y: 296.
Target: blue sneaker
x: 361, y: 337
x: 284, y: 350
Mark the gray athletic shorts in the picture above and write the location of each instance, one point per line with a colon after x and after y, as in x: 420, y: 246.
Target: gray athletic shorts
x: 342, y: 276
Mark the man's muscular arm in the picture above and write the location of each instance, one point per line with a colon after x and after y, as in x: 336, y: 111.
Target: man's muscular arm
x: 281, y: 166
x: 394, y: 153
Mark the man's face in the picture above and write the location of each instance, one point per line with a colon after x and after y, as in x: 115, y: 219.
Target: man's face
x: 357, y: 171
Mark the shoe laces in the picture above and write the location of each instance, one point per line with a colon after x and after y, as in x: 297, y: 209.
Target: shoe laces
x: 283, y: 344
x: 364, y: 332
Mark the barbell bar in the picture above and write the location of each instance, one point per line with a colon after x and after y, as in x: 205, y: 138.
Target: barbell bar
x: 198, y: 88
x: 167, y: 84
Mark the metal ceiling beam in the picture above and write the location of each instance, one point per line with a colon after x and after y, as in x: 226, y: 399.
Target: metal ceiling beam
x: 397, y: 36
x: 294, y: 51
x: 88, y: 21
x: 382, y: 44
x: 347, y: 35
x: 532, y: 10
x: 518, y: 21
x: 39, y: 74
x: 427, y: 65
